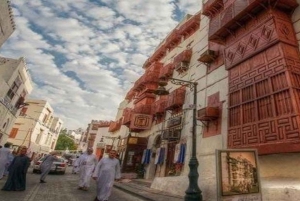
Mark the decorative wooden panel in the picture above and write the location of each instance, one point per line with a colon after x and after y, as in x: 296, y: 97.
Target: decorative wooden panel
x: 143, y: 109
x: 261, y: 107
x: 272, y: 28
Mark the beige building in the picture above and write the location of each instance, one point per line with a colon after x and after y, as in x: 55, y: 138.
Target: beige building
x: 15, y: 85
x: 7, y: 25
x: 36, y: 127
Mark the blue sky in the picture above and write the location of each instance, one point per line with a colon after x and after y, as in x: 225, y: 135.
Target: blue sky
x: 84, y: 55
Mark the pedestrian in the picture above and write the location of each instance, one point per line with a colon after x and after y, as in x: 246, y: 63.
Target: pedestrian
x: 87, y: 163
x: 16, y: 180
x: 47, y: 164
x: 4, y: 158
x: 10, y: 159
x: 75, y: 168
x: 106, y: 171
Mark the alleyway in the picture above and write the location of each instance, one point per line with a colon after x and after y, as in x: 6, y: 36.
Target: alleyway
x: 58, y: 188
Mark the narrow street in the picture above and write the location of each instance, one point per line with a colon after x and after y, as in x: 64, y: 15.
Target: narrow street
x: 58, y: 188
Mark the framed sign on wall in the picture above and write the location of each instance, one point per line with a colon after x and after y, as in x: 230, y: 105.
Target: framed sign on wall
x: 238, y: 175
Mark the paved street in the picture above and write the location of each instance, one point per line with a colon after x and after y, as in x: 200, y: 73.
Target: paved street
x: 58, y: 188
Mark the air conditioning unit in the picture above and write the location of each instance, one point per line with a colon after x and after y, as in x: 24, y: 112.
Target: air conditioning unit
x: 182, y: 66
x: 208, y: 114
x: 208, y: 56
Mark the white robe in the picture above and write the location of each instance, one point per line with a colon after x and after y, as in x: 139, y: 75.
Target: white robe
x: 4, y: 160
x: 87, y: 165
x: 106, y: 171
x: 75, y: 169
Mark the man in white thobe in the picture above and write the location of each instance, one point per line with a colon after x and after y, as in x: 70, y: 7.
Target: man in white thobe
x: 4, y: 159
x: 87, y: 163
x: 106, y: 171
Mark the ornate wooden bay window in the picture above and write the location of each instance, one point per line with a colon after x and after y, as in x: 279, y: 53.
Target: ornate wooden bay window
x: 236, y: 13
x: 176, y: 98
x: 114, y: 126
x: 167, y: 70
x: 262, y: 56
x: 148, y: 81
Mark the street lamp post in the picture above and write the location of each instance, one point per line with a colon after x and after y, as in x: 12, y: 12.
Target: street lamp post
x: 193, y: 193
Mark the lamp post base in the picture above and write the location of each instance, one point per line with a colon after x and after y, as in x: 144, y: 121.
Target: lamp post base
x: 193, y: 193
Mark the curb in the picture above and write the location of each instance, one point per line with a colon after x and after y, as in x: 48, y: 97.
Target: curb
x: 134, y: 193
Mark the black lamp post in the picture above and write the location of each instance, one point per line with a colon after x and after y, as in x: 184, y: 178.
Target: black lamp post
x: 193, y: 193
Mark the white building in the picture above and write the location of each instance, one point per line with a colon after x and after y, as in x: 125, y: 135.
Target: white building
x: 77, y: 134
x: 15, y: 85
x: 36, y: 127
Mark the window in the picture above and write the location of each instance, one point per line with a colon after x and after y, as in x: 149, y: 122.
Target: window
x: 14, y: 88
x: 13, y: 132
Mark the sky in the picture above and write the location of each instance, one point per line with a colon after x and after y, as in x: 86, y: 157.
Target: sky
x: 84, y: 55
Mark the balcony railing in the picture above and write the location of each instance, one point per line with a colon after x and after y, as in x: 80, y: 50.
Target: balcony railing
x: 176, y: 98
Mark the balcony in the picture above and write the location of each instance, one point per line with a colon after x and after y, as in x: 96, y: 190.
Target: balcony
x: 176, y: 98
x: 145, y: 97
x: 239, y: 12
x: 142, y: 109
x: 184, y: 56
x: 190, y: 26
x: 127, y: 112
x: 114, y: 126
x: 159, y: 107
x: 208, y: 114
x: 147, y: 81
x: 167, y: 70
x: 212, y: 7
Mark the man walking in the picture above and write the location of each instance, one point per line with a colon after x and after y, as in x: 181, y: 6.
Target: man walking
x: 106, y: 171
x: 47, y: 164
x: 4, y: 159
x: 87, y: 163
x: 16, y: 180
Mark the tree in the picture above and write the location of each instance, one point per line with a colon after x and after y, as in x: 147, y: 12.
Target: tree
x: 64, y: 141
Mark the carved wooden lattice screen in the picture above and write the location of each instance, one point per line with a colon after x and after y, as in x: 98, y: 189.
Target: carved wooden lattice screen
x: 262, y: 58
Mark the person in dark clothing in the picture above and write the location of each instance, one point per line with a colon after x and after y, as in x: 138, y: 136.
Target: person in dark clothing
x: 16, y: 180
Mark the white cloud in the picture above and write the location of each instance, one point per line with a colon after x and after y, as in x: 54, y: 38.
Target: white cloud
x: 85, y: 56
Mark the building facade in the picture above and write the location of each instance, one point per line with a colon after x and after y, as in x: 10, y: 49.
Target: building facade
x: 7, y: 25
x: 243, y: 55
x: 16, y: 85
x: 36, y: 127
